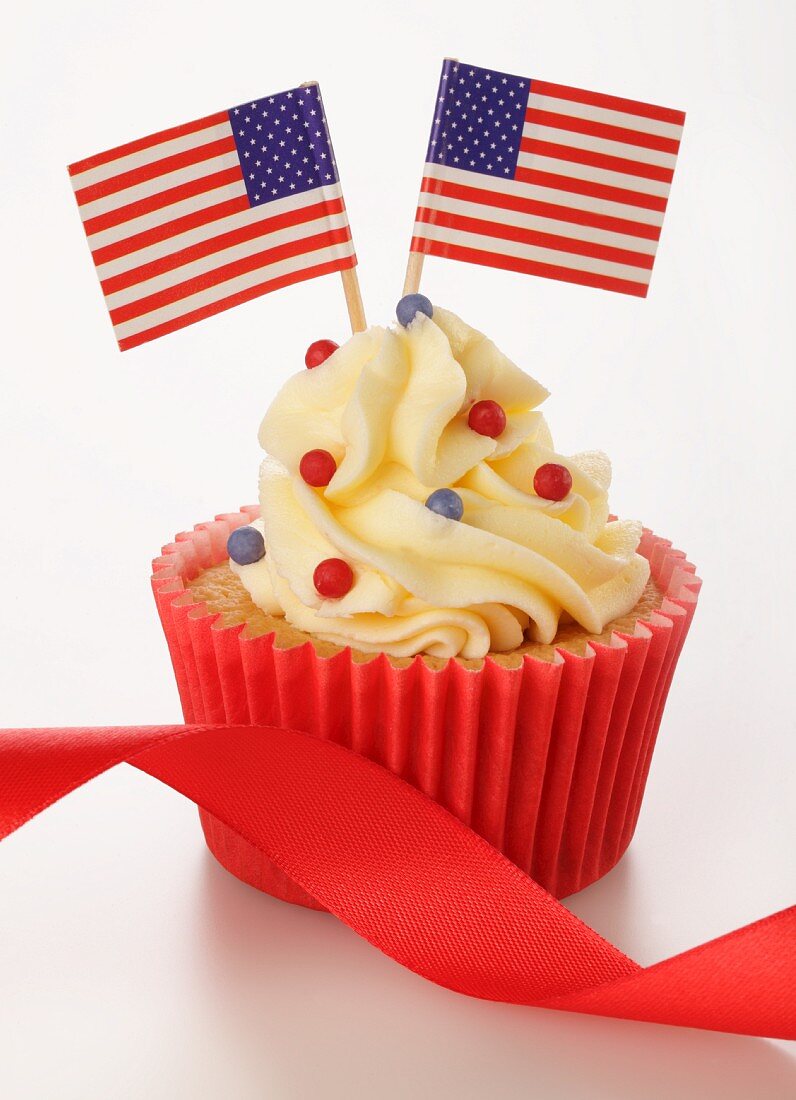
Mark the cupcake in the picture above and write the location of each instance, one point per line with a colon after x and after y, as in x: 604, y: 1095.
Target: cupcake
x: 427, y: 581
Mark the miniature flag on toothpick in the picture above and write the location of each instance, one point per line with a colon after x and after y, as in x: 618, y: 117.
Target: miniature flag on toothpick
x: 202, y: 217
x: 544, y: 179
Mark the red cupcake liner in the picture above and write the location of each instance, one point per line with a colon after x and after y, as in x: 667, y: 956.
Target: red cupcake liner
x: 547, y: 761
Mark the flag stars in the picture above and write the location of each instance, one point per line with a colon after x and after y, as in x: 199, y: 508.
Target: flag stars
x: 479, y: 110
x: 283, y: 168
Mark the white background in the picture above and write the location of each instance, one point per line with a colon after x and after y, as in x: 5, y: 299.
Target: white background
x: 131, y: 964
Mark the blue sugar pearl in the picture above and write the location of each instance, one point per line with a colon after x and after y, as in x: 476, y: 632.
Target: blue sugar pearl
x: 246, y: 546
x: 409, y: 307
x: 446, y: 503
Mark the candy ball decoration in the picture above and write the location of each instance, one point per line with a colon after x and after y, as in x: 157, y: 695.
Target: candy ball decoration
x: 552, y: 481
x: 409, y: 307
x: 333, y: 578
x: 447, y: 503
x: 319, y: 352
x: 246, y: 546
x: 317, y: 468
x: 487, y: 418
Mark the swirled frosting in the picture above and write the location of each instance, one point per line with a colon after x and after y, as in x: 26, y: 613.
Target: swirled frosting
x: 391, y: 406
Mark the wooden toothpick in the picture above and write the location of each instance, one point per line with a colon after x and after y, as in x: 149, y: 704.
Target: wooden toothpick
x: 353, y: 299
x: 353, y: 295
x: 414, y: 272
x: 414, y: 265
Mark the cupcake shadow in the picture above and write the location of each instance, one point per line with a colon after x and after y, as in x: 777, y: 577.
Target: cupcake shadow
x: 308, y: 1008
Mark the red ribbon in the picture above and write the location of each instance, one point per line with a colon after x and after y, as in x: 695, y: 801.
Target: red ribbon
x: 412, y: 879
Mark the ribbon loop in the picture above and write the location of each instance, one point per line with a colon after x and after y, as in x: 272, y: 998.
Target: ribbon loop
x: 412, y: 879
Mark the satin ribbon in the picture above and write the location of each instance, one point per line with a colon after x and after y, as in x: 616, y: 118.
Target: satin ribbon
x: 412, y: 879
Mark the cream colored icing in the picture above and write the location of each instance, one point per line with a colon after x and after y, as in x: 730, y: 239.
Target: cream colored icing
x: 391, y: 406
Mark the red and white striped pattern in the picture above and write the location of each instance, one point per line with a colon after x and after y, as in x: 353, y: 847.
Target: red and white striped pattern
x: 586, y: 203
x: 174, y: 238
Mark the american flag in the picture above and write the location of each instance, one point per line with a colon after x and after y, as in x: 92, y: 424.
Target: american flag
x: 545, y: 179
x: 196, y: 219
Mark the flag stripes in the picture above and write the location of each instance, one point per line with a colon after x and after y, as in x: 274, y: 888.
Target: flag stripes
x: 573, y: 188
x: 180, y: 229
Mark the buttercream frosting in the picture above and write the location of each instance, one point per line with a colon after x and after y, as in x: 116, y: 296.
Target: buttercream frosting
x: 391, y: 407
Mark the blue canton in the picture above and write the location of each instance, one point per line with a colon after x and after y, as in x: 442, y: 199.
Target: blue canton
x: 283, y: 145
x: 479, y: 119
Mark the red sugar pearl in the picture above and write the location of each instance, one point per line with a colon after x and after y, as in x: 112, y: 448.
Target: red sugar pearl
x: 317, y: 468
x: 333, y: 578
x: 319, y: 352
x: 487, y: 418
x: 552, y: 481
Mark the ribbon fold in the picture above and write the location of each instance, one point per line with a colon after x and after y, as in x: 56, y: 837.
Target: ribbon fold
x: 413, y: 880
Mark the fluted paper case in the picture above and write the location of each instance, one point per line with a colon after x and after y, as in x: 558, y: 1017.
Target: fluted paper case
x: 548, y: 761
